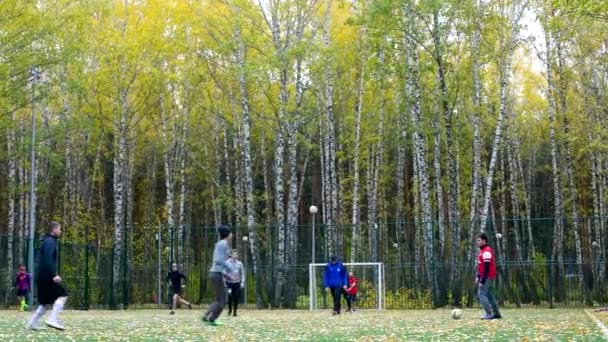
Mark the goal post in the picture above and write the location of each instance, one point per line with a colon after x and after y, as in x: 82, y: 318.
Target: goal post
x: 370, y: 284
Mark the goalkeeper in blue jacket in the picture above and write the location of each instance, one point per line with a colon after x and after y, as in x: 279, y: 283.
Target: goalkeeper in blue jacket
x: 335, y: 278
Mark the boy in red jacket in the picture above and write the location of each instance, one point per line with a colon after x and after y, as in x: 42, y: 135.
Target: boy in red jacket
x: 351, y: 292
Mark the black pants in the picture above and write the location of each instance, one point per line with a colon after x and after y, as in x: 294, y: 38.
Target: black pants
x: 216, y: 308
x: 350, y: 300
x: 233, y: 296
x: 336, y: 293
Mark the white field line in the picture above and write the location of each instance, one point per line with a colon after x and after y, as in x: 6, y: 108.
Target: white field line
x: 598, y: 323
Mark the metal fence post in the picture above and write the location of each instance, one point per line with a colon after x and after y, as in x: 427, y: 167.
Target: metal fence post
x: 125, y: 273
x: 86, y: 278
x: 159, y: 294
x: 111, y: 298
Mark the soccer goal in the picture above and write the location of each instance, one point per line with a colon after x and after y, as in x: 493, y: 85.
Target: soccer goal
x: 370, y: 285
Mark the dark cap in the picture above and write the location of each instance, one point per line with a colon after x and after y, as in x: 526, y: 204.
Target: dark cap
x: 224, y: 231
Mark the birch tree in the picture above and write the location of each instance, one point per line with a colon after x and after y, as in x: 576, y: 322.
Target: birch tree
x: 510, y: 42
x: 412, y: 93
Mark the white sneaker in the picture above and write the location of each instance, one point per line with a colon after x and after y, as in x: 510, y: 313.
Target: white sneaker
x: 31, y: 326
x: 55, y: 324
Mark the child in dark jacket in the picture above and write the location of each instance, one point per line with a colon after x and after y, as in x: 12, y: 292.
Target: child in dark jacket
x: 23, y: 284
x: 335, y: 279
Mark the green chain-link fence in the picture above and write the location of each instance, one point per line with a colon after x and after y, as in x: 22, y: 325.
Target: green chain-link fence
x: 539, y: 280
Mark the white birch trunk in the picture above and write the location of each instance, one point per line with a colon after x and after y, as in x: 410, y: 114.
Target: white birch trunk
x: 356, y: 233
x: 513, y: 191
x: 400, y: 176
x: 12, y: 185
x: 279, y: 193
x: 504, y: 78
x: 476, y: 183
x: 120, y: 165
x: 267, y: 185
x: 228, y: 182
x: 217, y: 189
x: 516, y: 13
x: 334, y: 239
x: 477, y: 145
x: 167, y: 164
x: 417, y: 220
x: 413, y: 94
x: 453, y: 214
x: 438, y: 186
x: 248, y: 172
x: 239, y: 195
x: 182, y: 241
x: 573, y: 198
x: 597, y: 221
x: 292, y: 199
x: 375, y: 167
x: 558, y: 242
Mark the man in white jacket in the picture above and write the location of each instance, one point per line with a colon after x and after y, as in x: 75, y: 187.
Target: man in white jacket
x: 235, y: 281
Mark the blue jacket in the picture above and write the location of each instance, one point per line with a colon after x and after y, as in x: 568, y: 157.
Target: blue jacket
x: 335, y: 275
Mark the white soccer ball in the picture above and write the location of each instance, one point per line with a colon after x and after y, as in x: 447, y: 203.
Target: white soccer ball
x: 499, y: 236
x: 456, y: 314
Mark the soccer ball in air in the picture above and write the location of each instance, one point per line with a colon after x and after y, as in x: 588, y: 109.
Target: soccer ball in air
x: 456, y: 314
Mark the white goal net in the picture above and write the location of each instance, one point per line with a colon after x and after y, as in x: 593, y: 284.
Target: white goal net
x: 370, y: 285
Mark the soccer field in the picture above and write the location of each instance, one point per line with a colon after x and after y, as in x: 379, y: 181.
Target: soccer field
x: 283, y: 325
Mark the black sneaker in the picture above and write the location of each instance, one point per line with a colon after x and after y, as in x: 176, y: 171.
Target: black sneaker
x: 172, y: 312
x: 190, y: 306
x: 205, y: 319
x: 234, y: 314
x: 497, y: 316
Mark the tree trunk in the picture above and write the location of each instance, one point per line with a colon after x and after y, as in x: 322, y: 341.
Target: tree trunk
x: 291, y: 240
x: 217, y: 203
x: 414, y: 98
x: 417, y: 222
x: 573, y: 198
x: 400, y: 233
x: 453, y: 193
x: 228, y: 181
x: 248, y: 173
x: 120, y: 165
x: 504, y: 79
x: 12, y: 185
x: 476, y: 182
x: 558, y: 237
x: 438, y: 186
x: 182, y: 241
x: 168, y: 167
x: 333, y: 233
x: 356, y: 233
x: 515, y: 205
x: 375, y: 165
x: 239, y: 194
x: 279, y: 192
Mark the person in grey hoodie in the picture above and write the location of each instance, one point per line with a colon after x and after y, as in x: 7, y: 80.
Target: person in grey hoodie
x: 235, y: 281
x: 217, y: 273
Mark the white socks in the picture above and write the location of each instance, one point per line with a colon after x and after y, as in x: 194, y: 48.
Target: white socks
x: 36, y: 316
x: 57, y: 308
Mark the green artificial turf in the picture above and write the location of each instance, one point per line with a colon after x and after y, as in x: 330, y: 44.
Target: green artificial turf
x: 284, y: 325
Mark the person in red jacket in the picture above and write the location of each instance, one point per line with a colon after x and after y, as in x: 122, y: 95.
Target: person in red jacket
x: 351, y: 292
x: 486, y: 276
